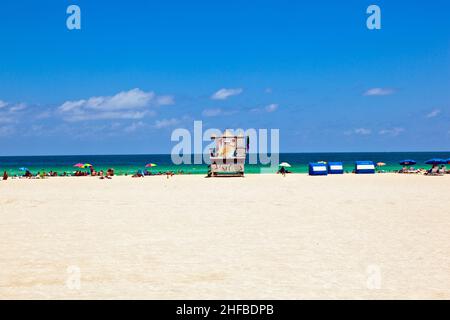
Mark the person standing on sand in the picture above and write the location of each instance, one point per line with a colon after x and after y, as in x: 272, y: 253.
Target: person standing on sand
x: 5, y: 176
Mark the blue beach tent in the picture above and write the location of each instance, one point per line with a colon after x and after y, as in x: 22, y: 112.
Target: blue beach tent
x: 335, y: 168
x: 318, y: 169
x: 364, y: 167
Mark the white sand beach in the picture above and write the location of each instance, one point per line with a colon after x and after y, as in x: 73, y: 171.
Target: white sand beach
x: 259, y: 237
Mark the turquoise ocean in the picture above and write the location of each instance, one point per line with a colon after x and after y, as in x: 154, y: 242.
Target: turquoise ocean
x: 130, y: 164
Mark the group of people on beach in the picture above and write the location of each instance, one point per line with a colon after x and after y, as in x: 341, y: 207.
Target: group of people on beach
x: 42, y: 174
x: 168, y: 174
x: 435, y: 170
x: 92, y: 172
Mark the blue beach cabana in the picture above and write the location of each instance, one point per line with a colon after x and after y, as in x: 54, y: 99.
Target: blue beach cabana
x: 364, y: 167
x: 335, y: 168
x: 318, y: 169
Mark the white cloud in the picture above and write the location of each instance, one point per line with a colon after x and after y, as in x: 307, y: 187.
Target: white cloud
x: 132, y: 104
x: 223, y: 93
x: 212, y: 112
x: 3, y: 104
x: 363, y: 131
x: 71, y: 105
x: 379, y: 92
x: 164, y: 123
x: 359, y: 131
x: 133, y: 115
x: 18, y: 107
x: 124, y: 100
x: 433, y: 113
x: 134, y: 126
x: 165, y: 100
x: 391, y: 132
x: 44, y: 115
x: 271, y: 107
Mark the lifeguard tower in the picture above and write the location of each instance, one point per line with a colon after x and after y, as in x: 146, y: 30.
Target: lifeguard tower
x: 228, y: 156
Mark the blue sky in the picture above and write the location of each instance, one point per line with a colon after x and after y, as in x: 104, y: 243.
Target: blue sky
x: 139, y: 69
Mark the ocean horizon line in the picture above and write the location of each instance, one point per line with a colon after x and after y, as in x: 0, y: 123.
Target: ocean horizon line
x: 193, y: 154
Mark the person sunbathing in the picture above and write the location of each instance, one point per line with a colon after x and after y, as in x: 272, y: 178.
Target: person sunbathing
x: 434, y: 171
x: 169, y: 174
x: 282, y: 171
x: 137, y: 175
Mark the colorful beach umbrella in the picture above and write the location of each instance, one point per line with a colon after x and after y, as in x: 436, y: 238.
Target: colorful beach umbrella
x: 87, y: 165
x: 150, y: 165
x: 79, y: 165
x: 381, y: 164
x: 436, y: 161
x: 23, y: 169
x: 285, y: 164
x: 407, y: 162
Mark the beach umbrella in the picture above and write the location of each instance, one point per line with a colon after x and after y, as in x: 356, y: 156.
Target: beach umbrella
x: 87, y: 165
x: 407, y: 162
x: 285, y: 164
x: 381, y: 164
x: 79, y: 165
x: 150, y: 165
x: 23, y: 169
x: 436, y: 161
